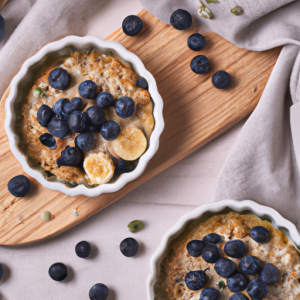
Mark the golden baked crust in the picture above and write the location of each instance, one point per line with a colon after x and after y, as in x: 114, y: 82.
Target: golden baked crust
x: 111, y: 75
x: 177, y: 262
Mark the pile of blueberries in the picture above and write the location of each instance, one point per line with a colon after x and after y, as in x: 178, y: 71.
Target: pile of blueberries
x: 237, y: 282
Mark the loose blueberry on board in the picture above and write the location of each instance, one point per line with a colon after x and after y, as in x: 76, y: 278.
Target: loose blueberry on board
x: 235, y: 248
x: 110, y: 130
x: 210, y: 294
x: 260, y: 234
x: 75, y: 104
x: 105, y: 100
x: 19, y: 186
x: 221, y: 80
x: 58, y: 128
x: 83, y: 249
x: 200, y: 64
x: 238, y: 296
x: 44, y: 115
x: 249, y: 265
x: 58, y: 272
x: 225, y: 267
x: 59, y: 79
x: 257, y: 289
x: 213, y: 238
x: 132, y: 25
x: 2, y: 28
x: 71, y: 157
x: 58, y: 108
x: 1, y: 273
x: 237, y: 282
x: 142, y: 83
x: 88, y: 89
x: 124, y: 166
x: 195, y: 280
x: 125, y: 107
x: 78, y: 121
x: 195, y: 248
x: 196, y: 42
x: 269, y: 274
x: 48, y: 140
x: 99, y: 291
x: 129, y: 247
x: 181, y: 19
x: 96, y: 115
x: 85, y: 141
x: 211, y: 253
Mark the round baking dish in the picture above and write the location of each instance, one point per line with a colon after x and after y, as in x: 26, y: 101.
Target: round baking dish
x: 61, y: 48
x: 206, y: 211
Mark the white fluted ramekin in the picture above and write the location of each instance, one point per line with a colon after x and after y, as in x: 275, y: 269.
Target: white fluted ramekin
x: 59, y: 48
x: 263, y: 212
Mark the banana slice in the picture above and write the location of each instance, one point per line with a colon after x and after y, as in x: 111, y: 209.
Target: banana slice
x: 130, y: 144
x: 110, y: 148
x: 99, y: 167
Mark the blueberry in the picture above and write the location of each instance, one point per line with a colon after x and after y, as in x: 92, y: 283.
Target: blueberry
x: 85, y: 141
x: 225, y: 267
x: 58, y: 108
x: 105, y: 99
x: 125, y: 107
x: 195, y: 280
x: 2, y: 28
x: 59, y: 79
x: 195, y: 248
x: 200, y: 64
x: 260, y: 234
x: 71, y: 157
x: 98, y: 291
x: 19, y: 186
x: 129, y: 247
x: 221, y: 80
x: 58, y: 128
x: 132, y: 25
x: 213, y: 238
x: 95, y: 128
x: 110, y: 130
x: 78, y: 121
x: 75, y: 104
x: 1, y: 273
x: 96, y: 115
x: 249, y: 265
x: 58, y: 272
x: 83, y: 249
x: 238, y: 296
x: 142, y: 83
x: 44, y: 115
x: 48, y: 140
x: 210, y: 294
x: 257, y: 289
x: 124, y: 166
x: 196, y: 42
x: 211, y: 253
x: 237, y: 282
x: 269, y: 274
x: 235, y: 249
x: 88, y: 89
x: 181, y: 19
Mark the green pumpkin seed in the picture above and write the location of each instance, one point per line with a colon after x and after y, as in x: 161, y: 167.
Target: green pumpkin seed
x: 136, y: 226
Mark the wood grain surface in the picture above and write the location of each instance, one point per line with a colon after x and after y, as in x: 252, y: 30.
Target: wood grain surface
x: 195, y: 113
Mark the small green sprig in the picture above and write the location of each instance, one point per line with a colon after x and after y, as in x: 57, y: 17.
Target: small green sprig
x: 136, y: 226
x: 221, y: 285
x: 205, y: 12
x: 212, y: 1
x: 237, y: 11
x: 37, y: 92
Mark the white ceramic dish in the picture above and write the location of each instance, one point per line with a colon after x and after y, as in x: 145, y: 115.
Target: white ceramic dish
x: 60, y: 48
x: 261, y: 211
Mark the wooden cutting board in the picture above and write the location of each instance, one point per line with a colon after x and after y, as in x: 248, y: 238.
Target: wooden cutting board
x: 195, y: 113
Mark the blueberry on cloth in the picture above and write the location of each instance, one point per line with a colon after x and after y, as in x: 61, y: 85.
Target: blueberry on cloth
x: 58, y: 272
x: 58, y: 128
x: 200, y: 64
x: 110, y: 130
x: 237, y: 282
x: 269, y: 274
x: 260, y: 234
x: 132, y: 25
x: 257, y: 289
x: 19, y: 186
x: 58, y: 108
x: 213, y: 238
x: 44, y: 115
x: 224, y: 267
x: 195, y: 280
x: 211, y: 253
x: 235, y: 248
x: 75, y: 104
x: 88, y: 89
x: 125, y: 107
x: 85, y: 141
x: 249, y: 265
x: 96, y: 115
x: 71, y: 157
x: 78, y: 121
x: 124, y: 166
x: 48, y: 140
x: 195, y: 247
x: 2, y: 28
x: 142, y: 83
x: 129, y: 247
x: 210, y: 294
x: 83, y: 249
x: 196, y: 42
x: 59, y: 79
x: 238, y: 296
x: 221, y: 80
x: 98, y: 291
x: 105, y: 99
x: 181, y: 19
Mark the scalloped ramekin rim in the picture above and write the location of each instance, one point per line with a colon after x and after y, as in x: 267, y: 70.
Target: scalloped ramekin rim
x: 123, y: 53
x: 215, y: 207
